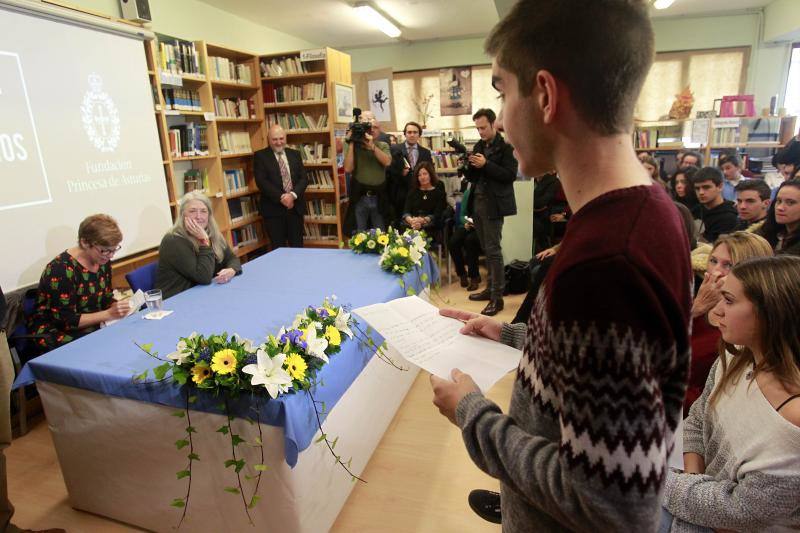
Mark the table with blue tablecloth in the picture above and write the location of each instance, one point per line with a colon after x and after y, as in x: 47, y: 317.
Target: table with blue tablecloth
x: 115, y: 438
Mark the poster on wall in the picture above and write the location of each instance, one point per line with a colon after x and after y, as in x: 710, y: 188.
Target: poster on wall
x: 455, y: 91
x: 379, y: 101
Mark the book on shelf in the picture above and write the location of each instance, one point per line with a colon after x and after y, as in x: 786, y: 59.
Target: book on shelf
x: 244, y: 235
x: 195, y: 179
x: 177, y: 56
x: 745, y: 130
x: 234, y: 142
x: 282, y: 66
x: 188, y: 140
x: 445, y: 160
x: 317, y: 153
x: 293, y: 93
x: 225, y: 69
x: 242, y: 208
x: 182, y: 99
x: 298, y: 121
x: 320, y: 208
x: 234, y: 107
x: 319, y: 179
x: 235, y: 180
x: 320, y: 232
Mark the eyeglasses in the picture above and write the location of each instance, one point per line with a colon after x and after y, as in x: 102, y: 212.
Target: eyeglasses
x: 107, y: 252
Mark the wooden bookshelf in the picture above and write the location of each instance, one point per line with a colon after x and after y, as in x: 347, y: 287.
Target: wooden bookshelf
x: 329, y: 67
x: 210, y: 88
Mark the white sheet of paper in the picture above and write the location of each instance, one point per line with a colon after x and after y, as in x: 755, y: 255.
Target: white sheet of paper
x: 157, y: 315
x: 433, y: 342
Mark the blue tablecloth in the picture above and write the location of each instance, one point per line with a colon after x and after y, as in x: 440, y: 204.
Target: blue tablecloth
x: 269, y: 293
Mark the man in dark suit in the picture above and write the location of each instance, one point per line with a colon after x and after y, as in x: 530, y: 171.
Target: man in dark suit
x: 281, y: 178
x: 493, y: 170
x: 405, y: 157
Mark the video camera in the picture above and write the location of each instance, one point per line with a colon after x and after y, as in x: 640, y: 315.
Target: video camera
x: 463, y: 154
x: 358, y: 129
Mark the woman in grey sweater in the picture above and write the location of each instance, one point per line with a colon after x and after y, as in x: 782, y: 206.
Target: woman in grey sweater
x: 194, y: 252
x: 742, y: 436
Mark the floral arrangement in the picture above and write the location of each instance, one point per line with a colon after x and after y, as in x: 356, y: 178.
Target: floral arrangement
x: 229, y: 366
x: 423, y: 107
x: 370, y: 242
x: 404, y: 252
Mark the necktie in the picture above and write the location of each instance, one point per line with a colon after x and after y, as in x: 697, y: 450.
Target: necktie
x: 412, y: 157
x: 285, y: 177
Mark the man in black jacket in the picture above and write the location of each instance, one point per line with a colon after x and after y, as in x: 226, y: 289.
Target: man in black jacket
x: 405, y: 158
x: 716, y: 215
x: 281, y: 178
x: 493, y: 169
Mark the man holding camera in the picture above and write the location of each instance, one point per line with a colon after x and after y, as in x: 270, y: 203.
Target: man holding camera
x: 492, y: 169
x: 366, y: 159
x: 405, y: 157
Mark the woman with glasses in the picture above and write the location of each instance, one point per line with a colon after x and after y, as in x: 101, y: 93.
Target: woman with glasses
x: 75, y: 295
x: 194, y: 252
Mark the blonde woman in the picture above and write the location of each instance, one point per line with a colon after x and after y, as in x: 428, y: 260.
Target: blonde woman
x: 194, y: 252
x: 742, y: 437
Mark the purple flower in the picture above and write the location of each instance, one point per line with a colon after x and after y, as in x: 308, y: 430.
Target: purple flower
x: 251, y: 359
x: 205, y: 355
x: 294, y: 337
x: 323, y: 313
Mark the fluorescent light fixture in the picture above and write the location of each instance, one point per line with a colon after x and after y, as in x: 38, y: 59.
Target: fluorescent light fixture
x: 663, y: 4
x: 376, y: 19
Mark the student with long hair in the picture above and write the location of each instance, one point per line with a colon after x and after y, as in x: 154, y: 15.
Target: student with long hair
x: 742, y: 437
x: 782, y: 226
x: 682, y: 189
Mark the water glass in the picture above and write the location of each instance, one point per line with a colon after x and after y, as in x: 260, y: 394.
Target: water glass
x: 153, y: 300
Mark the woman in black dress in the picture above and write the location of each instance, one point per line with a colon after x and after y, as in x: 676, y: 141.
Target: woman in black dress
x: 426, y: 201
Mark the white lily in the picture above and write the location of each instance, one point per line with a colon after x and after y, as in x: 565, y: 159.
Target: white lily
x: 269, y: 372
x: 297, y: 321
x: 415, y: 255
x: 316, y: 345
x: 419, y: 243
x: 341, y: 323
x: 180, y: 357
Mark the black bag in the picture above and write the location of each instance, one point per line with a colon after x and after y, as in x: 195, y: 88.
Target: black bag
x: 518, y: 277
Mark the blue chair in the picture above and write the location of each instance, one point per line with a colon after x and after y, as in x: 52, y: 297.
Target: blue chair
x: 23, y: 349
x: 143, y: 278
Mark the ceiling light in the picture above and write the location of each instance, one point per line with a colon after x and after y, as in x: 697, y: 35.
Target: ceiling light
x: 663, y: 4
x: 376, y: 19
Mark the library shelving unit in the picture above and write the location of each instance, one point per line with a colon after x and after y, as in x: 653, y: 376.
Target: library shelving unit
x: 746, y: 135
x: 298, y: 88
x: 210, y: 118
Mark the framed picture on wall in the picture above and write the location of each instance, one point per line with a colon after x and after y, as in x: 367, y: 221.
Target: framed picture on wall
x: 344, y: 97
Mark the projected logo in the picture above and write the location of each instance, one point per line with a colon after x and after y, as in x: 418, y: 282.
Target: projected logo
x: 23, y: 179
x: 100, y: 116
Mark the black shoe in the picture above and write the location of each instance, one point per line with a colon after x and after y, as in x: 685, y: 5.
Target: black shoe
x: 474, y: 283
x: 494, y: 307
x: 464, y: 280
x: 484, y: 295
x: 486, y: 504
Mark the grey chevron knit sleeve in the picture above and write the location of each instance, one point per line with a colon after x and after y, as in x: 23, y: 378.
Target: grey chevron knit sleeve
x: 514, y: 335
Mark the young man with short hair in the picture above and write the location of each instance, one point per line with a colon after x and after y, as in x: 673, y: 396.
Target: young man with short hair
x: 405, y: 157
x: 752, y: 202
x: 731, y: 167
x: 600, y: 385
x: 716, y: 214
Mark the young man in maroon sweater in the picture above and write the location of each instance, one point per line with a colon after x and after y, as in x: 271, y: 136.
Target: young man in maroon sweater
x: 600, y: 385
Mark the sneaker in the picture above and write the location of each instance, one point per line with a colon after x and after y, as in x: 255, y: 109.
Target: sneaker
x: 486, y: 504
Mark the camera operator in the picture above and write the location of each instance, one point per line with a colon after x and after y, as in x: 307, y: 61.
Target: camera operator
x: 366, y: 159
x: 492, y: 169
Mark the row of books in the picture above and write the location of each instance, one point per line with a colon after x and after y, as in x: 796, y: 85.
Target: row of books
x: 654, y: 137
x: 320, y: 208
x: 283, y: 66
x: 293, y: 93
x: 242, y: 208
x: 320, y: 232
x: 187, y: 140
x: 182, y: 99
x: 319, y: 179
x: 224, y: 69
x: 234, y: 142
x: 298, y: 121
x: 445, y: 160
x: 195, y: 179
x: 179, y: 57
x: 234, y: 107
x: 244, y: 235
x: 313, y: 153
x: 235, y: 180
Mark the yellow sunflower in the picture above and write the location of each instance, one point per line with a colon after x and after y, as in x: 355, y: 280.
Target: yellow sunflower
x: 359, y: 238
x: 296, y: 366
x: 224, y: 362
x: 402, y: 251
x: 333, y: 336
x: 383, y: 240
x: 200, y: 372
